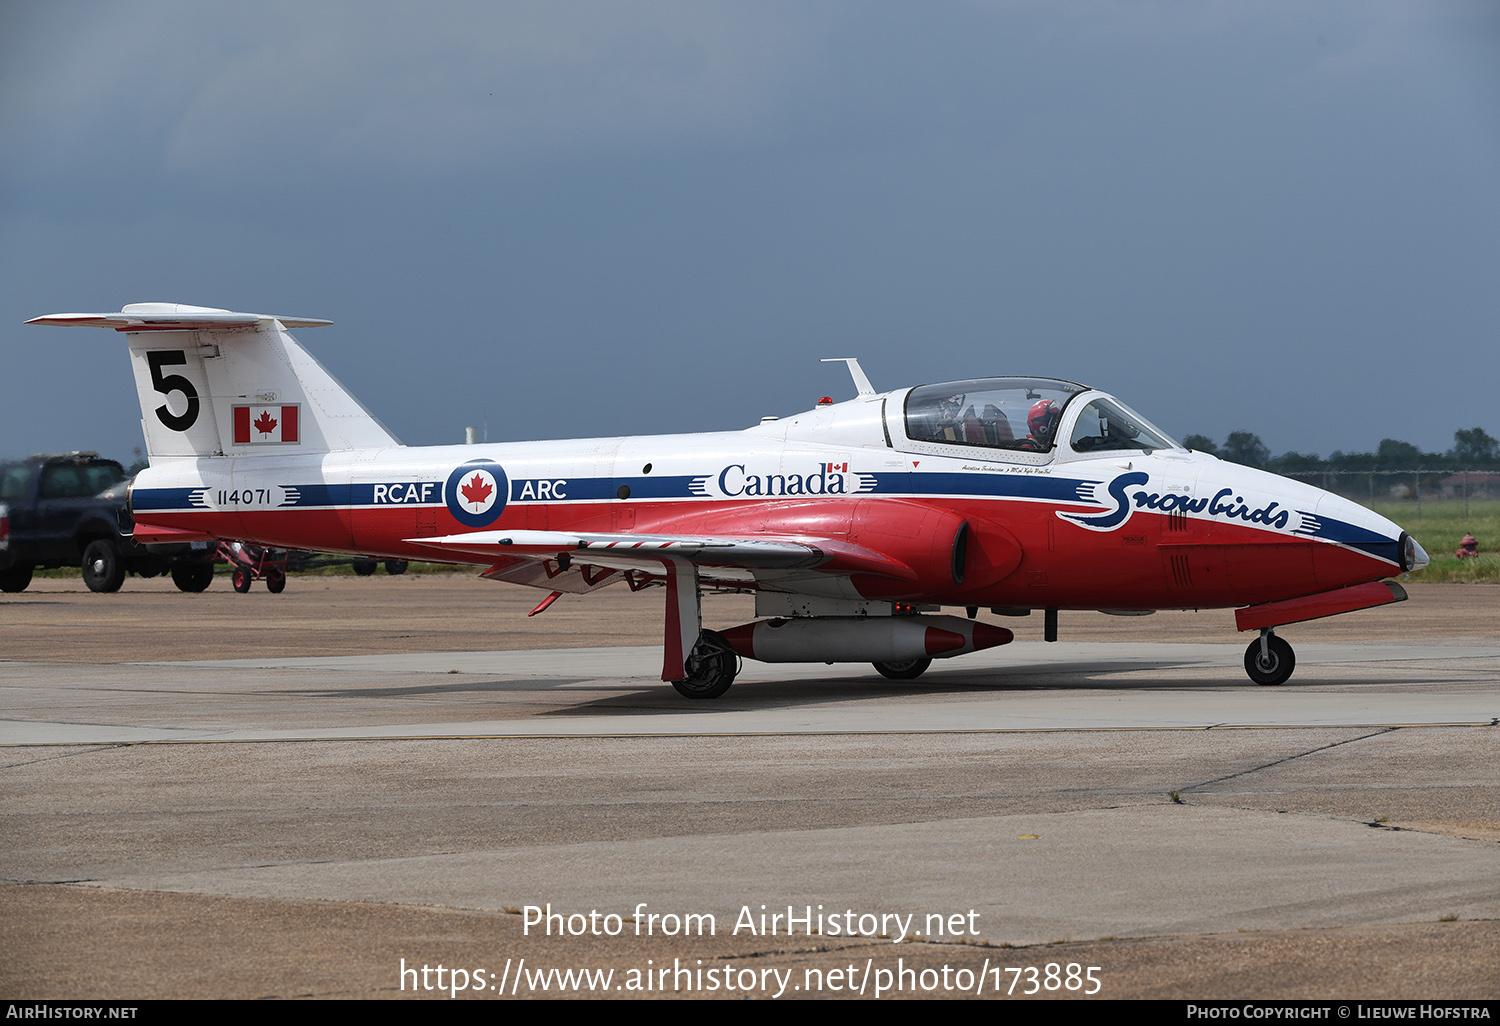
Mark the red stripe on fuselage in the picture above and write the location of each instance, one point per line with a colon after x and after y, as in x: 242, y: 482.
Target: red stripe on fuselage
x: 1204, y: 564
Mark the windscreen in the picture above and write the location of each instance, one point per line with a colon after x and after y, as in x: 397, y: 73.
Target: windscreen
x: 1106, y: 424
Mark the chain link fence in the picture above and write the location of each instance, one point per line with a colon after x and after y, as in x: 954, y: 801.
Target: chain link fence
x: 1418, y: 486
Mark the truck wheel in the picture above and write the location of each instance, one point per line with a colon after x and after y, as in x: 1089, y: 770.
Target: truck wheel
x: 192, y: 577
x: 103, y: 569
x: 16, y: 578
x: 365, y: 566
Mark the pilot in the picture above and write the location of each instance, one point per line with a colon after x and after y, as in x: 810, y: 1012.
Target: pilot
x: 1042, y: 423
x: 1468, y: 548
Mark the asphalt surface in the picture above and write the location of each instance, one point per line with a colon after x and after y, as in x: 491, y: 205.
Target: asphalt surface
x: 250, y: 796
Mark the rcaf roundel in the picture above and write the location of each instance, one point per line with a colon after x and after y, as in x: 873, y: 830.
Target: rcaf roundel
x: 476, y: 493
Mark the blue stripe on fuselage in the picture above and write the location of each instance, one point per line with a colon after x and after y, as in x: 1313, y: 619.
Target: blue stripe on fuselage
x: 593, y: 489
x: 1008, y: 486
x: 1373, y: 542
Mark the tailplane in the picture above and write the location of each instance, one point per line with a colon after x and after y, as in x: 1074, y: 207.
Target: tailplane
x: 217, y: 383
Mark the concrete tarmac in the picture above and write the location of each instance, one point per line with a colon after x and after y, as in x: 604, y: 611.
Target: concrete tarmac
x: 245, y: 796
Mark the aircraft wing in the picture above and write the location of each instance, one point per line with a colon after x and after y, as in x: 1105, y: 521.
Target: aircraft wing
x: 627, y: 551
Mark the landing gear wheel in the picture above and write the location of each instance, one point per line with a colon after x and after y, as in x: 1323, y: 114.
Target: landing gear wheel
x: 1275, y: 666
x: 103, y: 568
x: 275, y: 581
x: 192, y: 577
x: 395, y: 566
x: 906, y: 669
x: 242, y: 582
x: 364, y: 566
x: 711, y: 668
x: 16, y: 578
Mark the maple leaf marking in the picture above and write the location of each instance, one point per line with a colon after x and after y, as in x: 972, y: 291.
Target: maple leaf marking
x: 476, y: 491
x: 265, y: 423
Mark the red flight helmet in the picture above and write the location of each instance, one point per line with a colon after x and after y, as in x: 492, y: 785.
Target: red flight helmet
x: 1042, y: 419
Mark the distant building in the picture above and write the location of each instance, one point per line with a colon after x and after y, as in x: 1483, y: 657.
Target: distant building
x: 1481, y: 484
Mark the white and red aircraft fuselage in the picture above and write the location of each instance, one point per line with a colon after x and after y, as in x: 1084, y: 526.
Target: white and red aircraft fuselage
x: 851, y: 523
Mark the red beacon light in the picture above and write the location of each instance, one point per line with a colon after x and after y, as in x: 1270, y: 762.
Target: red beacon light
x: 827, y: 400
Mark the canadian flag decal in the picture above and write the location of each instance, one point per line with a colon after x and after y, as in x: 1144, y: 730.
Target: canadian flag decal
x: 255, y: 425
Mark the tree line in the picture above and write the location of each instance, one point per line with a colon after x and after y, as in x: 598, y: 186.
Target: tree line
x: 1473, y: 449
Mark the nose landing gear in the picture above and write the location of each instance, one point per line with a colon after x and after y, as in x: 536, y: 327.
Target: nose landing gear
x: 1269, y: 660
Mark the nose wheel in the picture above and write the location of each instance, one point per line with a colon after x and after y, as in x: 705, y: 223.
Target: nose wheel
x: 1269, y: 659
x: 711, y: 667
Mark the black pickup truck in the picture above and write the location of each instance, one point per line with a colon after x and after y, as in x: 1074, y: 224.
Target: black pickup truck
x: 69, y: 510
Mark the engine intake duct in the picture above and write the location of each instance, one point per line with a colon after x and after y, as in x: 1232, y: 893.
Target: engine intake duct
x: 849, y: 639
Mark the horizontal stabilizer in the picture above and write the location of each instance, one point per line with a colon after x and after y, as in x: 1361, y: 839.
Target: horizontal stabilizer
x: 171, y: 317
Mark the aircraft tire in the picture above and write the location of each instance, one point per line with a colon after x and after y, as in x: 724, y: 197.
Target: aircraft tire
x: 396, y: 566
x: 275, y: 581
x: 103, y: 567
x: 906, y: 669
x: 242, y: 581
x: 192, y: 577
x: 364, y: 566
x: 17, y: 578
x: 1276, y: 669
x: 711, y: 668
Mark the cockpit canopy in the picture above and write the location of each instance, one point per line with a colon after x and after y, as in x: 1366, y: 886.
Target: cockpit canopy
x: 1024, y: 415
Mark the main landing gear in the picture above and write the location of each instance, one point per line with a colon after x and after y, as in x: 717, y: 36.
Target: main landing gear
x: 711, y: 667
x: 1269, y: 660
x: 907, y: 669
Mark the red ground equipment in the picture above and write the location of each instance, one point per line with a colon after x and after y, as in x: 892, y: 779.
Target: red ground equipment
x: 252, y: 563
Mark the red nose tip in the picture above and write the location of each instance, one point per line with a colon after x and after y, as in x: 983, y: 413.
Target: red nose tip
x: 988, y: 636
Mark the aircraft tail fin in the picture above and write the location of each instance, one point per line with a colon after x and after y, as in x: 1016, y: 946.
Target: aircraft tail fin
x: 217, y: 383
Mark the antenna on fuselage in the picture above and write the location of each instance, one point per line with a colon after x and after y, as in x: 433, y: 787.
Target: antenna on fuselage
x: 861, y: 382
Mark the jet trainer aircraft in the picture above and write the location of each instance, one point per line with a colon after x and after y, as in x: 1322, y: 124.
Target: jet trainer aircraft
x: 852, y: 524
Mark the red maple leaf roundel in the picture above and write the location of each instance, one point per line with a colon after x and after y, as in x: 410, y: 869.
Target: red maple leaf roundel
x: 476, y: 491
x: 265, y: 423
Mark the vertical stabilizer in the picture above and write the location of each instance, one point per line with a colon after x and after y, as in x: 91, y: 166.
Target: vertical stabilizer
x: 217, y: 383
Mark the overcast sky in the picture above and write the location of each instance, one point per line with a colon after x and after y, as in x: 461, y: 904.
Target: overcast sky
x: 563, y: 219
